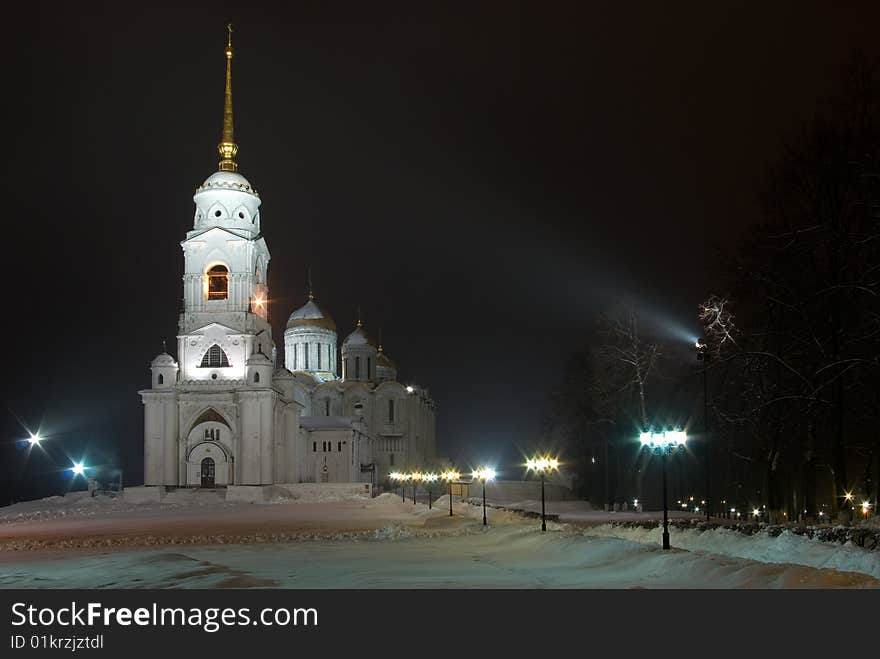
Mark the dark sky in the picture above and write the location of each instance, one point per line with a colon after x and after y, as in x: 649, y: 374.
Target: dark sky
x: 480, y: 178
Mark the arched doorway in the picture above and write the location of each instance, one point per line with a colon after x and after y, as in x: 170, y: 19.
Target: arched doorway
x: 208, y: 472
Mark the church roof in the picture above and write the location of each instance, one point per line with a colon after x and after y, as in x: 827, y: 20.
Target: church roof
x: 358, y: 337
x: 227, y: 181
x: 384, y: 360
x: 163, y: 359
x: 258, y: 358
x: 311, y: 315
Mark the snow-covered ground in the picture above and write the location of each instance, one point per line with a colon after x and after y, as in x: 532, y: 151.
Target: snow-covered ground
x: 384, y: 542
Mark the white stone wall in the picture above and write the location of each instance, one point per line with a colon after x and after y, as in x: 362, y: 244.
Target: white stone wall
x: 314, y: 340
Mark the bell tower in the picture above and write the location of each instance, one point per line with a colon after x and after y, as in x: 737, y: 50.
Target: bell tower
x: 224, y: 318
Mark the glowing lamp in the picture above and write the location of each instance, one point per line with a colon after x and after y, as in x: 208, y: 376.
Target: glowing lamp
x: 34, y: 439
x: 78, y: 469
x: 484, y: 474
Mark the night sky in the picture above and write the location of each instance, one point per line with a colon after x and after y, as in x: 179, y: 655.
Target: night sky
x: 481, y: 178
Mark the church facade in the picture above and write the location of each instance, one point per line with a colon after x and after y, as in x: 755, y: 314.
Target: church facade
x: 225, y: 412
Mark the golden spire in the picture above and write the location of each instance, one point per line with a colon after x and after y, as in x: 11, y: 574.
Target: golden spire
x: 360, y: 324
x: 311, y: 293
x: 227, y: 147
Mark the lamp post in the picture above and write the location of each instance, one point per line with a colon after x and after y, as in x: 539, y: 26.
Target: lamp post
x: 664, y: 443
x: 542, y: 466
x: 401, y: 479
x: 703, y: 356
x: 33, y: 440
x: 484, y: 474
x: 449, y: 476
x: 415, y: 477
x: 430, y: 479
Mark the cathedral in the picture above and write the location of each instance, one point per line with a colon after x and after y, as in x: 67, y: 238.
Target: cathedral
x: 225, y: 413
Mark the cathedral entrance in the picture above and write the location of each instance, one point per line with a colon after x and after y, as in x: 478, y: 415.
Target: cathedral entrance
x: 208, y: 472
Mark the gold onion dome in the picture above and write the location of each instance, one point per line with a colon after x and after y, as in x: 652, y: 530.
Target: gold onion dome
x: 384, y: 360
x: 311, y: 315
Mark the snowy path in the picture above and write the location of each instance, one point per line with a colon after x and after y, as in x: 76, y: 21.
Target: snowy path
x: 386, y: 543
x: 509, y: 556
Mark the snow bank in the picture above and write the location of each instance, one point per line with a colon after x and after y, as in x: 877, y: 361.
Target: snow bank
x: 787, y: 547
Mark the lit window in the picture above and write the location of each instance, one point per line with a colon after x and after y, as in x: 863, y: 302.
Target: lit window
x: 218, y: 283
x: 214, y: 358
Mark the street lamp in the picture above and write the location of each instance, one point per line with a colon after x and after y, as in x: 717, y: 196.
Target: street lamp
x: 542, y: 466
x: 78, y: 469
x: 34, y: 439
x: 429, y: 480
x: 449, y: 476
x: 703, y: 355
x: 415, y: 477
x: 400, y: 478
x: 664, y: 443
x: 484, y: 474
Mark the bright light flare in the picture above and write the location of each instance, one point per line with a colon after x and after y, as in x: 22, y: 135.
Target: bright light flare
x: 410, y: 389
x: 664, y: 439
x: 848, y: 496
x: 484, y: 474
x: 542, y: 464
x: 78, y: 469
x: 450, y: 475
x: 430, y: 478
x: 34, y: 439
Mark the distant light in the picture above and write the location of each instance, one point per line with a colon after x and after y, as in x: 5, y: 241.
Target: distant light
x: 756, y: 512
x: 410, y: 389
x: 484, y: 474
x: 34, y: 439
x: 78, y: 468
x: 733, y: 510
x: 664, y: 440
x: 848, y: 496
x: 542, y: 464
x: 430, y: 478
x: 259, y: 300
x: 696, y: 509
x: 635, y: 502
x: 866, y: 506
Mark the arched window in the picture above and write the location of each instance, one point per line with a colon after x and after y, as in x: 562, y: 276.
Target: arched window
x: 214, y: 358
x: 326, y: 407
x: 161, y: 379
x: 390, y: 410
x: 369, y: 368
x: 357, y: 368
x: 256, y: 377
x: 218, y: 283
